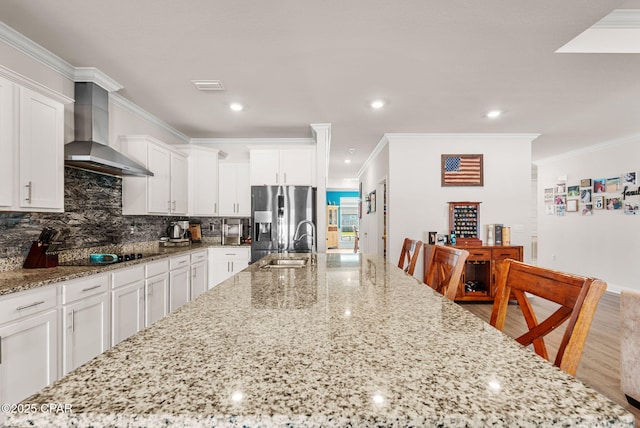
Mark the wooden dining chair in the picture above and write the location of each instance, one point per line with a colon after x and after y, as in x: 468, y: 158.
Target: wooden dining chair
x: 409, y: 255
x: 443, y: 268
x: 577, y: 296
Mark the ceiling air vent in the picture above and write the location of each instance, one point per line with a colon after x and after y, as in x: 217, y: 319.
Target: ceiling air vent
x: 208, y: 85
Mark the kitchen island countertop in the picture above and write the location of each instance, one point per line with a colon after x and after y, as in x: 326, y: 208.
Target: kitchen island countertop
x: 348, y: 340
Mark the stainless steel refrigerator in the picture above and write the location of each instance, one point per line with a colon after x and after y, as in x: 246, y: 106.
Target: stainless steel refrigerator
x: 284, y: 220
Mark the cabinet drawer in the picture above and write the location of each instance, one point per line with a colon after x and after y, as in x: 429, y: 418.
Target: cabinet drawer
x: 479, y: 254
x: 89, y: 286
x: 506, y: 253
x: 127, y: 276
x: 156, y: 268
x: 199, y: 256
x: 26, y: 303
x: 179, y: 262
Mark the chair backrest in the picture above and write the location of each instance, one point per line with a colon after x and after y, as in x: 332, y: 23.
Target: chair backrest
x: 443, y: 268
x: 577, y: 296
x: 409, y: 255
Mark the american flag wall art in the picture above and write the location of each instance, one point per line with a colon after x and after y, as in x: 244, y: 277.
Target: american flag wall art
x: 462, y: 170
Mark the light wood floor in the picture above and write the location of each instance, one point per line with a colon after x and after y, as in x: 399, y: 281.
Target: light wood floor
x: 600, y: 363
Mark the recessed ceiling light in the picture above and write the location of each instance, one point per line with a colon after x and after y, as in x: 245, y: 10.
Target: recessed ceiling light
x: 236, y: 106
x: 377, y: 104
x: 493, y: 114
x: 208, y: 85
x: 347, y: 161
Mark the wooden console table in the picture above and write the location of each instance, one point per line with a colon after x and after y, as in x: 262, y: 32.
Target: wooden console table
x: 479, y: 278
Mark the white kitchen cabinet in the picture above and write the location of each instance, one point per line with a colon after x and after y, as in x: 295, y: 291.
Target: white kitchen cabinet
x: 28, y: 343
x: 85, y: 320
x: 203, y: 181
x: 7, y: 145
x: 32, y: 144
x: 225, y: 262
x: 178, y: 281
x: 291, y: 167
x: 166, y: 192
x: 234, y: 190
x: 157, y: 291
x: 199, y: 277
x: 127, y: 303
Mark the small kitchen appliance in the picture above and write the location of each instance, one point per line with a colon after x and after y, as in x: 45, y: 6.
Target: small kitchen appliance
x: 178, y: 231
x: 231, y: 231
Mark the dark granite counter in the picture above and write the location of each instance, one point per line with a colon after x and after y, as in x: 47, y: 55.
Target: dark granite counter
x: 349, y: 340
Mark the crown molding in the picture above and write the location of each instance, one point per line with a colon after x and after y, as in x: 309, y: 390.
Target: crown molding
x: 376, y: 150
x: 129, y: 106
x: 460, y: 136
x: 30, y: 48
x: 258, y: 142
x: 33, y: 85
x: 92, y: 74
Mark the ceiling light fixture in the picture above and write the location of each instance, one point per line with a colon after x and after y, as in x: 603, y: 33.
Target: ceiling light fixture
x: 493, y: 114
x: 351, y: 150
x: 236, y: 106
x: 377, y: 104
x: 347, y: 161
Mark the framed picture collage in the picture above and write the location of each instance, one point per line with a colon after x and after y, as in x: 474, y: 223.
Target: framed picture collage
x: 600, y: 194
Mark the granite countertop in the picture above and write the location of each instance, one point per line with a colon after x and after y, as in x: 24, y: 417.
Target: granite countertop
x: 349, y: 340
x: 24, y: 279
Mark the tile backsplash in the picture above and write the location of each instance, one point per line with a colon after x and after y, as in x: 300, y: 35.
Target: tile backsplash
x: 92, y: 218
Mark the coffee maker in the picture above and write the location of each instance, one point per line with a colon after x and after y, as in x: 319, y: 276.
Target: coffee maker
x: 178, y: 231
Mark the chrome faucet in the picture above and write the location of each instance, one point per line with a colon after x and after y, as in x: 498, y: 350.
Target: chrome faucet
x: 297, y: 238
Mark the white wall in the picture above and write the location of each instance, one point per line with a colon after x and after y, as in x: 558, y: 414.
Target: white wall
x: 416, y: 202
x: 376, y: 170
x: 604, y: 245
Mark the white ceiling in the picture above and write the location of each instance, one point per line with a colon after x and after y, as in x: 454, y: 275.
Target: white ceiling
x: 440, y: 65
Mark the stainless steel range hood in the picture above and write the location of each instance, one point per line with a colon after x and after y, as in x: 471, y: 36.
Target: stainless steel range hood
x: 90, y: 150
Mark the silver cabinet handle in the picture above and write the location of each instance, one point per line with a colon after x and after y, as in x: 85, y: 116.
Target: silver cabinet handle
x: 277, y: 178
x: 174, y: 205
x: 72, y: 320
x: 285, y: 178
x: 215, y: 208
x: 31, y: 305
x: 90, y: 288
x: 29, y: 187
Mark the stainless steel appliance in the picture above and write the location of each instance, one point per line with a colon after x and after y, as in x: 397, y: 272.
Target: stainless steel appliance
x: 284, y: 220
x: 231, y: 231
x: 178, y: 230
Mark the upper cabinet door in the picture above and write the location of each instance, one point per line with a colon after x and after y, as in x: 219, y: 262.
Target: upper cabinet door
x: 7, y: 138
x: 203, y: 182
x: 297, y: 167
x: 41, y: 151
x: 179, y: 186
x: 160, y: 184
x: 243, y: 186
x: 265, y: 169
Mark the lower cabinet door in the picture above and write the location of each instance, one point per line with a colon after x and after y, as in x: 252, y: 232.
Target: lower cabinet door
x: 178, y: 288
x: 198, y: 279
x: 128, y: 311
x: 157, y: 301
x: 28, y: 356
x: 85, y: 331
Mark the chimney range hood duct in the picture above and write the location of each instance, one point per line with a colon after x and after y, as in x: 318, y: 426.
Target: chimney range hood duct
x: 90, y: 150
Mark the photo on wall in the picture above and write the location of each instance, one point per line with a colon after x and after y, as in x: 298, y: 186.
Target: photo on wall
x: 613, y: 184
x: 585, y: 196
x: 598, y: 202
x: 587, y: 210
x: 631, y: 208
x: 630, y: 178
x: 614, y: 203
x: 599, y: 185
x: 573, y: 191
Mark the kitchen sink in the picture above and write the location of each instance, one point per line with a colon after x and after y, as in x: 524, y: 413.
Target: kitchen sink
x: 285, y: 263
